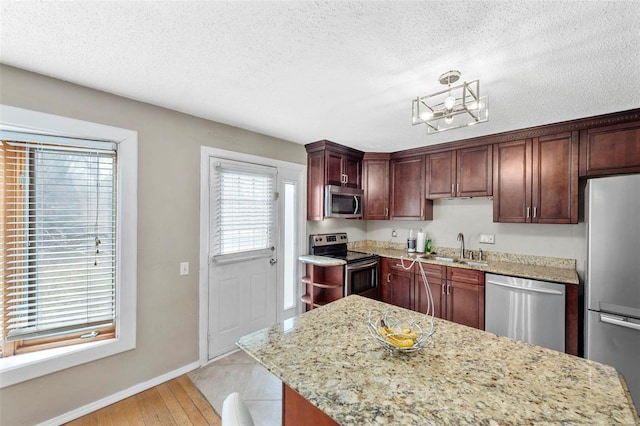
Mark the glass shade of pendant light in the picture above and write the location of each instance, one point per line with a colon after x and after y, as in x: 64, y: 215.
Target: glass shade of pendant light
x: 453, y: 107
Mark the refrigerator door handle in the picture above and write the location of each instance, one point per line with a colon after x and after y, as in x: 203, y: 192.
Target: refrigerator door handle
x: 535, y: 290
x: 616, y: 320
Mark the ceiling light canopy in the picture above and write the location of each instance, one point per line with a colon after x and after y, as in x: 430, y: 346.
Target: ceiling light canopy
x: 453, y: 107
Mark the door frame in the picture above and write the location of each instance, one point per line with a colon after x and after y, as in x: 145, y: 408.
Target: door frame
x: 203, y: 270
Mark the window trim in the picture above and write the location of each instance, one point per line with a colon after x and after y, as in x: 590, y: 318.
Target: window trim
x: 23, y: 367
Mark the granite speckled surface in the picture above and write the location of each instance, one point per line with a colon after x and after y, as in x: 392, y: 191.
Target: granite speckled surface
x: 321, y: 260
x: 466, y: 376
x: 535, y: 267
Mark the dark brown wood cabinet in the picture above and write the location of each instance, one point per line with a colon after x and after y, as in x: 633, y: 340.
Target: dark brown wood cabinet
x: 437, y: 279
x: 375, y: 183
x: 464, y: 172
x: 536, y: 180
x: 323, y: 284
x: 458, y: 293
x: 396, y: 283
x: 440, y: 175
x: 407, y: 190
x: 329, y: 164
x: 342, y: 169
x: 465, y: 297
x: 610, y: 150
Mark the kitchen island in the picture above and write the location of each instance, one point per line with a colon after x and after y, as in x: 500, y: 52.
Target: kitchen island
x: 465, y: 376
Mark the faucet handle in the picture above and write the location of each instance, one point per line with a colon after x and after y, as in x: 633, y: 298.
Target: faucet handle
x: 470, y: 254
x: 480, y: 255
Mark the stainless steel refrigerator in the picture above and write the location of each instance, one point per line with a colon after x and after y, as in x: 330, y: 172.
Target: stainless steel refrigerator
x: 612, y: 282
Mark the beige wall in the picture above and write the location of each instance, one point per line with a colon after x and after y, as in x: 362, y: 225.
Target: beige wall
x: 168, y: 233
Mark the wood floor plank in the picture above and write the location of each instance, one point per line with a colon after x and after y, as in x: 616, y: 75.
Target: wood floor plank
x: 129, y: 410
x: 176, y: 410
x: 192, y: 411
x: 153, y: 409
x: 176, y: 402
x: 199, y: 400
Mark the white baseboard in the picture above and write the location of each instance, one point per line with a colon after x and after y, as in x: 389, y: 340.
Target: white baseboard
x: 119, y: 396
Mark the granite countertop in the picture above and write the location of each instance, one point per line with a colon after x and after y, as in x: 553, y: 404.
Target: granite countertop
x: 534, y: 267
x: 465, y: 376
x: 321, y: 260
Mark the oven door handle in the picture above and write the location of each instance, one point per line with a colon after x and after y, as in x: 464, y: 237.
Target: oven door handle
x: 357, y: 266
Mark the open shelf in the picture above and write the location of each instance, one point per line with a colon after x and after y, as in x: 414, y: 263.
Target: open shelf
x: 323, y: 284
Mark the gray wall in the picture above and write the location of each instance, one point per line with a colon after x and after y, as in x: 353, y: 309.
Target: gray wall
x: 168, y: 233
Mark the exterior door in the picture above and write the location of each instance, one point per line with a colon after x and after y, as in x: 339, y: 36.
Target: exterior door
x: 243, y: 237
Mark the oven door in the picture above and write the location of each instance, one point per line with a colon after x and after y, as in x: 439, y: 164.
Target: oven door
x: 361, y: 278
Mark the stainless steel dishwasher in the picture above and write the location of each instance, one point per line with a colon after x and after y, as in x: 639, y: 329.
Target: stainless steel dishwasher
x: 527, y: 310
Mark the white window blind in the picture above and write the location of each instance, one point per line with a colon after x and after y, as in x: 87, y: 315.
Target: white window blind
x: 58, y: 238
x: 242, y: 214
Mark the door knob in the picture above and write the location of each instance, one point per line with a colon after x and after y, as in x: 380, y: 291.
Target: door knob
x: 273, y: 261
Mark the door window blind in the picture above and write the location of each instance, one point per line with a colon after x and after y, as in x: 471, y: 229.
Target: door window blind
x: 243, y: 211
x: 58, y: 239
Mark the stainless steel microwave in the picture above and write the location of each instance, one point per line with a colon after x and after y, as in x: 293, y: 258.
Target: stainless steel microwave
x: 343, y: 202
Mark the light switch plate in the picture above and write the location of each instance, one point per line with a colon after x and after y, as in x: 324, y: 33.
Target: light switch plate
x: 184, y: 268
x: 487, y: 238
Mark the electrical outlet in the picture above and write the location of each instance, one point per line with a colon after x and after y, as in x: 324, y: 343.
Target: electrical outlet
x: 487, y: 238
x: 184, y: 268
x: 394, y: 233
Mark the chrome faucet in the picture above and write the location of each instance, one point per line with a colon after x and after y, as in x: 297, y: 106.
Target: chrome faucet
x: 461, y: 239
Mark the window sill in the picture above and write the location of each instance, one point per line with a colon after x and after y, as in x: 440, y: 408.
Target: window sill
x: 20, y: 368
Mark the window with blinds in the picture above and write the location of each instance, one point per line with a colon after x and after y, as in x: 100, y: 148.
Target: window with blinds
x: 242, y: 217
x: 58, y: 242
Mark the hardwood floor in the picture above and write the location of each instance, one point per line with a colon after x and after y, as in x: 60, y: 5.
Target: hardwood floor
x: 176, y: 402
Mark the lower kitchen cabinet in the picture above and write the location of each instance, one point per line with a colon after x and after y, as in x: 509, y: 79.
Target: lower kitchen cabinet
x: 396, y: 283
x: 465, y: 297
x: 437, y: 279
x: 458, y: 293
x: 323, y: 284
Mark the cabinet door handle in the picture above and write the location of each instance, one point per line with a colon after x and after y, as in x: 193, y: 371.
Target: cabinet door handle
x: 457, y: 188
x: 346, y: 178
x: 386, y: 212
x: 421, y: 212
x: 448, y: 289
x: 528, y: 209
x: 389, y: 277
x: 535, y: 212
x: 443, y: 286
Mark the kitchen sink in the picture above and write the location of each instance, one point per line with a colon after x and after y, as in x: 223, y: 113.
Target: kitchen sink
x: 445, y: 259
x: 439, y: 258
x: 474, y: 263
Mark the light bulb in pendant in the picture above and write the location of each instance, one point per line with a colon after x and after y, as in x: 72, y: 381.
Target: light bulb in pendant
x: 449, y: 102
x: 426, y: 115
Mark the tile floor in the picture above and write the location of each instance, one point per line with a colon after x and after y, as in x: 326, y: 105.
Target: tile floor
x: 238, y: 372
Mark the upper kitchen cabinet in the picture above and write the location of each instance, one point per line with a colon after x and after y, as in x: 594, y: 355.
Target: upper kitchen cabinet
x: 407, y: 190
x: 536, y: 180
x: 610, y: 150
x: 375, y: 183
x: 329, y: 164
x: 464, y: 172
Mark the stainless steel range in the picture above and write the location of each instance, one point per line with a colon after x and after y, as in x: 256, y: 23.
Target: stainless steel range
x: 361, y: 273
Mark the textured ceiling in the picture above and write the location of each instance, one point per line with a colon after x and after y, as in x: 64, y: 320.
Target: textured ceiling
x: 339, y: 70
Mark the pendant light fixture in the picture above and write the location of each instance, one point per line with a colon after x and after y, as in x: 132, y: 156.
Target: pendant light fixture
x: 453, y: 107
